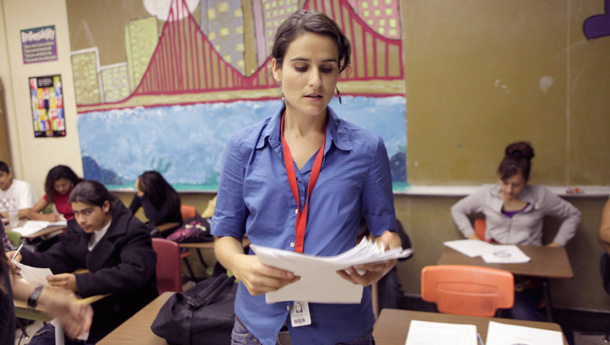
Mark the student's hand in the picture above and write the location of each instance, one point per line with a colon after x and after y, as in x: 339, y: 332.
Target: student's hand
x: 474, y: 236
x: 553, y: 245
x: 259, y: 278
x: 140, y: 193
x: 74, y: 316
x: 11, y: 265
x: 64, y: 280
x: 52, y: 217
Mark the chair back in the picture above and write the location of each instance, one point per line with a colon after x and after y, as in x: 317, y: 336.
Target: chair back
x: 169, y: 271
x: 467, y: 290
x: 187, y: 211
x: 479, y: 228
x: 13, y: 237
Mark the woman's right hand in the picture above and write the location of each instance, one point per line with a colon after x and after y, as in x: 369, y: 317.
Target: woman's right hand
x: 139, y: 192
x: 259, y: 278
x: 52, y: 217
x: 74, y: 315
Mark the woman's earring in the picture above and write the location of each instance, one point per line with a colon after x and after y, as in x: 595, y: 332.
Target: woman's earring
x: 338, y: 94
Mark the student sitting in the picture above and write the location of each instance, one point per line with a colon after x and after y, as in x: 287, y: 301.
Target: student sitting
x: 58, y: 185
x: 14, y: 191
x: 160, y: 200
x: 115, y: 248
x: 514, y: 211
x: 74, y: 316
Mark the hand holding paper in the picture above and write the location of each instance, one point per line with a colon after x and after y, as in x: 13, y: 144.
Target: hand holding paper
x: 319, y: 281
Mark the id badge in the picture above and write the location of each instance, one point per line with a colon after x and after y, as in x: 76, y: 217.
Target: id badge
x: 299, y: 314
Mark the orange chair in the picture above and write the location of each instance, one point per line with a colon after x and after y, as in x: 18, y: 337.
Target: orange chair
x: 479, y: 228
x: 467, y: 290
x: 169, y: 273
x: 187, y: 211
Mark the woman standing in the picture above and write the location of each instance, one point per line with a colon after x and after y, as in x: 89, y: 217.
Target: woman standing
x: 114, y: 247
x: 514, y: 211
x: 300, y: 181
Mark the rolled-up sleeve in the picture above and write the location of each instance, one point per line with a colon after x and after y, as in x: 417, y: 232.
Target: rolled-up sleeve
x: 377, y: 196
x: 231, y: 212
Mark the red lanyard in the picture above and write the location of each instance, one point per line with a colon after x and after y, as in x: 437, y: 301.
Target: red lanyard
x: 292, y: 179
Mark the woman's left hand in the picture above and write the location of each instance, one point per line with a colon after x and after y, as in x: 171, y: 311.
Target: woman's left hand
x: 371, y: 273
x: 64, y: 280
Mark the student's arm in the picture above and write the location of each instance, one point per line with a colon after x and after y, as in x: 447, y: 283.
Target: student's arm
x: 135, y: 204
x: 74, y: 316
x: 257, y: 278
x: 35, y: 212
x: 557, y: 207
x: 468, y: 205
x: 604, y: 229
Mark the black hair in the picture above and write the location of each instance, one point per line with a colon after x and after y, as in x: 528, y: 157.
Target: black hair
x: 310, y: 21
x: 159, y: 191
x: 3, y: 263
x: 93, y: 193
x: 4, y: 167
x: 517, y: 160
x: 57, y: 173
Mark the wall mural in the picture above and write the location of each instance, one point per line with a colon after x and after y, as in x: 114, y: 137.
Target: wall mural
x: 195, y: 72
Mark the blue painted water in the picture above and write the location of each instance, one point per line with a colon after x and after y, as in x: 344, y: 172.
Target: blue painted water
x: 186, y: 143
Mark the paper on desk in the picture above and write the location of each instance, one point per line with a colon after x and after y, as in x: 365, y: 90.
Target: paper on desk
x: 470, y: 248
x: 503, y: 334
x: 34, y: 275
x: 431, y: 333
x: 33, y: 226
x: 505, y: 254
x: 319, y: 282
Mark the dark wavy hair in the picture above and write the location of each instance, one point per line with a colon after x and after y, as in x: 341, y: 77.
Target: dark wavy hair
x: 159, y: 191
x: 517, y: 160
x: 4, y: 167
x: 57, y: 173
x: 93, y: 193
x: 310, y: 21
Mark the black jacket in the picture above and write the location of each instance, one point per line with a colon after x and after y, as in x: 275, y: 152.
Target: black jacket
x: 122, y: 263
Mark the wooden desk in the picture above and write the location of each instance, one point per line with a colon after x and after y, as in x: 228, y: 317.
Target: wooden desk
x: 546, y: 263
x: 392, y: 326
x: 136, y: 330
x: 39, y: 313
x: 42, y: 232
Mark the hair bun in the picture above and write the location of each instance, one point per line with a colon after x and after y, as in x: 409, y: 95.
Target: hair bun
x: 520, y: 149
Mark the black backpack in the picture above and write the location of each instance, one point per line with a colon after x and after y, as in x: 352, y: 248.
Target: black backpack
x: 203, y: 314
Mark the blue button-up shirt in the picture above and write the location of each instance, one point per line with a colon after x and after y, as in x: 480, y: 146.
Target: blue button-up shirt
x: 254, y: 197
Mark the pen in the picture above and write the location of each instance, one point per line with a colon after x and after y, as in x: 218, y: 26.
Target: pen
x: 17, y: 252
x: 480, y: 339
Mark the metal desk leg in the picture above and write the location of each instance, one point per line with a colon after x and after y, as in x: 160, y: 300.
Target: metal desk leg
x: 547, y: 299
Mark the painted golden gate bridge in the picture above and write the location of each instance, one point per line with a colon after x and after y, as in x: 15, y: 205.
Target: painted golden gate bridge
x: 185, y: 68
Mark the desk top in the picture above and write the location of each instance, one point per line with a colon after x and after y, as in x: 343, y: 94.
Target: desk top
x: 392, y: 326
x: 42, y: 232
x: 136, y: 330
x: 546, y: 262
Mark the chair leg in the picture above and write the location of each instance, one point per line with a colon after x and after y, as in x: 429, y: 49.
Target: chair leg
x: 188, y: 266
x: 201, y: 258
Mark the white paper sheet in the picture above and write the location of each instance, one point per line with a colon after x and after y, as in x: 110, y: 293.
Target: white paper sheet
x: 503, y: 334
x: 505, y: 254
x: 319, y: 282
x: 33, y: 226
x: 433, y: 333
x: 470, y: 248
x: 34, y: 275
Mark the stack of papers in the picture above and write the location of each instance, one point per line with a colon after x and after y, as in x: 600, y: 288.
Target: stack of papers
x: 490, y: 253
x: 33, y: 226
x: 319, y: 281
x: 503, y: 334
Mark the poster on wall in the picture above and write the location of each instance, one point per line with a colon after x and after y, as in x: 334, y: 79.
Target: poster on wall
x: 47, y: 106
x: 39, y: 44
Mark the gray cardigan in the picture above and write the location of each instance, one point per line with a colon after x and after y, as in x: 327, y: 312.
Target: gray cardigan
x: 523, y: 228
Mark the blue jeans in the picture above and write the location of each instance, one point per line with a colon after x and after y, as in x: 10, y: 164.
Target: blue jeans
x: 241, y: 336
